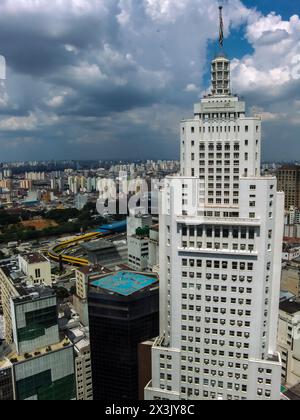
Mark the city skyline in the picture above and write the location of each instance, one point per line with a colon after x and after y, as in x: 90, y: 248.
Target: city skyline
x: 111, y: 79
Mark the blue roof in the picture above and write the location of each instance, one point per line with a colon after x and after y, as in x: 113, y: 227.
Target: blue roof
x: 115, y: 226
x: 124, y: 283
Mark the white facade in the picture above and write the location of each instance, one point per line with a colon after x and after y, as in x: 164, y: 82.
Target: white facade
x: 153, y: 248
x: 138, y: 252
x: 138, y: 245
x: 83, y: 367
x: 37, y: 268
x: 81, y: 284
x: 221, y: 228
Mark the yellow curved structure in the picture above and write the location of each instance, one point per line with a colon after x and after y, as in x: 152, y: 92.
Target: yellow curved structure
x: 56, y: 254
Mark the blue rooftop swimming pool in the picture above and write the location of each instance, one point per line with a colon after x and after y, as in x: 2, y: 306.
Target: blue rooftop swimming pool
x: 124, y: 283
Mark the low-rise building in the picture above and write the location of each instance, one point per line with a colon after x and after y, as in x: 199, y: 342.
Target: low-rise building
x: 289, y: 341
x: 290, y: 280
x: 290, y: 252
x: 107, y: 253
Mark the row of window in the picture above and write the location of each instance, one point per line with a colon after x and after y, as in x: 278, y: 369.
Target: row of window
x: 218, y: 332
x: 232, y: 323
x: 212, y: 129
x: 221, y: 161
x: 221, y: 343
x: 216, y: 289
x: 219, y: 246
x: 217, y: 299
x: 210, y: 276
x: 220, y: 170
x: 234, y: 265
x: 216, y: 310
x: 219, y: 232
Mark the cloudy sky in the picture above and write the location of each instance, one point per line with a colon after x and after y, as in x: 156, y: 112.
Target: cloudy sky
x: 97, y: 79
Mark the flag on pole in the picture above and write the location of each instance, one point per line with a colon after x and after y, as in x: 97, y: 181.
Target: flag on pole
x: 221, y: 36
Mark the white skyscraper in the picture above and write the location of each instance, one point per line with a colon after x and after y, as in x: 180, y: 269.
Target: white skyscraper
x: 221, y: 229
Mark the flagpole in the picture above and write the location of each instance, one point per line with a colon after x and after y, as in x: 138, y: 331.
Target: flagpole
x: 221, y: 34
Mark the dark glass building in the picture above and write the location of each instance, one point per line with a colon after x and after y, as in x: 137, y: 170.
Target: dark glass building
x: 123, y: 312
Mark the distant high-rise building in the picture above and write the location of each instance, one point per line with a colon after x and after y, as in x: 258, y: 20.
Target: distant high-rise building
x: 221, y: 229
x: 289, y: 182
x: 7, y: 173
x: 61, y: 184
x: 123, y: 312
x: 26, y: 184
x: 35, y: 176
x: 53, y: 184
